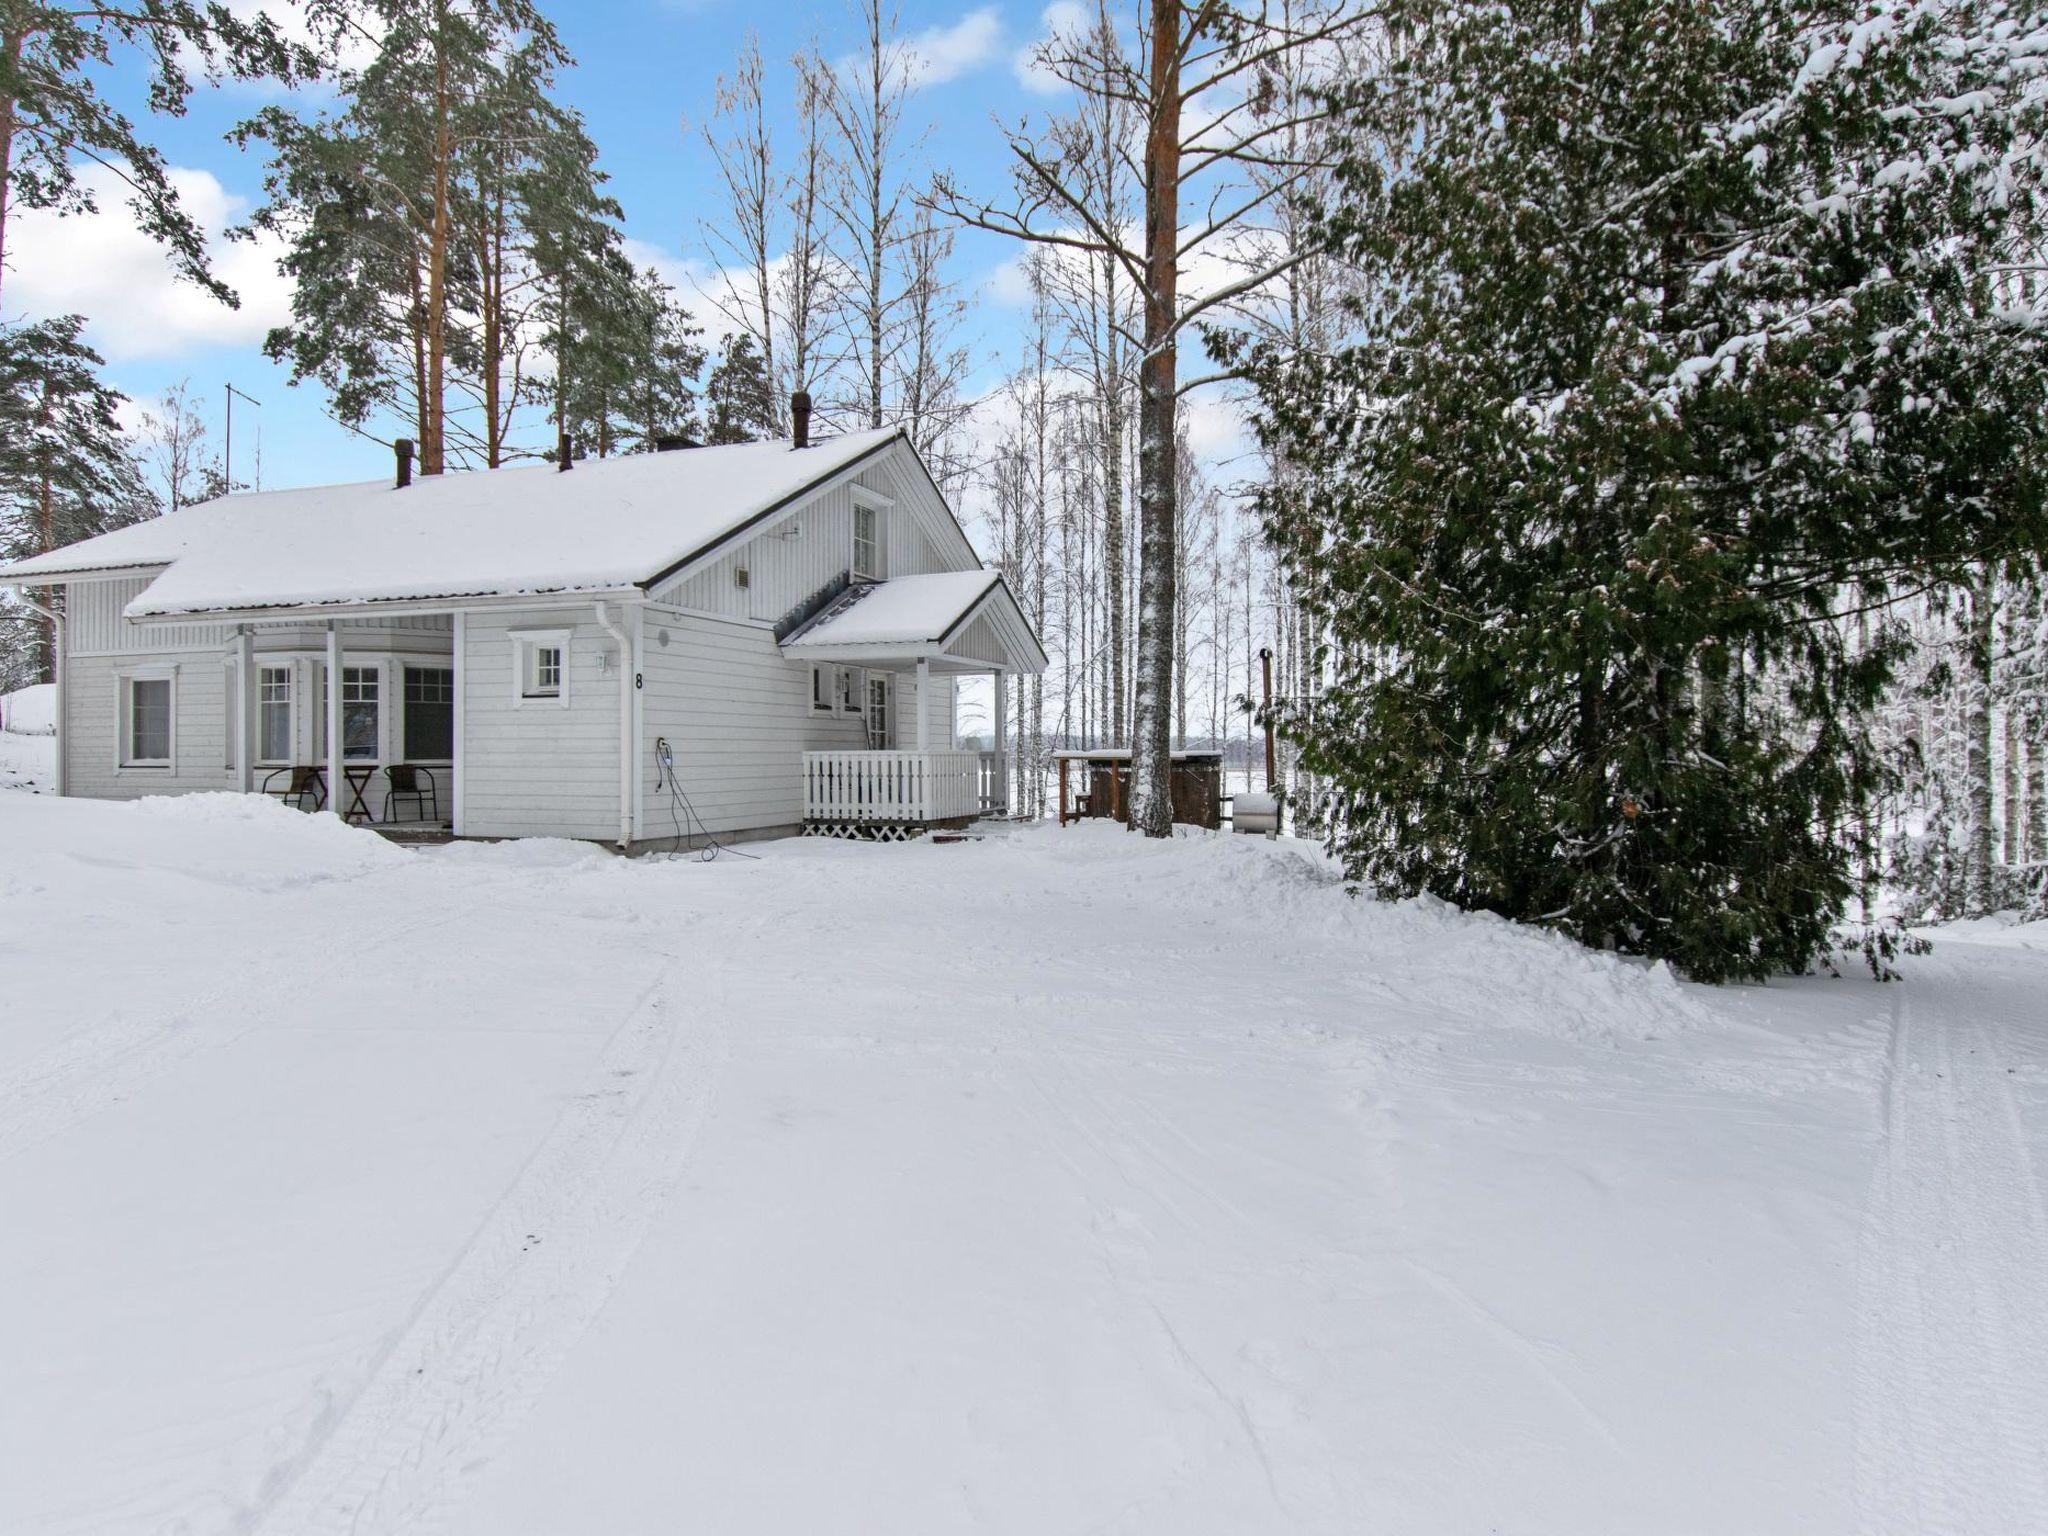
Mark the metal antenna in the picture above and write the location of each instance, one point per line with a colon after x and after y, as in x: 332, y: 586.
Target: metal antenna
x: 228, y: 450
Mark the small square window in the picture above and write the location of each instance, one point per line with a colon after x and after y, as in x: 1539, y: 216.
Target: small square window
x: 541, y: 665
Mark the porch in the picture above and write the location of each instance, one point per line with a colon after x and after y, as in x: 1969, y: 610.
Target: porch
x: 913, y: 632
x: 883, y: 794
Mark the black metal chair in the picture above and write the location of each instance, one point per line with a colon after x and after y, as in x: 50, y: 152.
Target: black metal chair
x: 305, y: 782
x: 409, y: 781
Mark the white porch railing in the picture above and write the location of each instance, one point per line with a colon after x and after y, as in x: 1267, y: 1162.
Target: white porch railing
x: 878, y: 787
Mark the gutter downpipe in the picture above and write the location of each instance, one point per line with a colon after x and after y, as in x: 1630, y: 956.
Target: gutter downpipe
x: 627, y: 761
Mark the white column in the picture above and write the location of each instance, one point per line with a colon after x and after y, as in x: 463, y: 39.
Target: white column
x: 1000, y: 774
x: 461, y: 713
x: 245, y: 658
x: 336, y: 800
x: 924, y: 702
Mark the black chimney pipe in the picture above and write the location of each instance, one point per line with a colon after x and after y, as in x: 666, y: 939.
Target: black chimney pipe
x: 563, y: 450
x: 403, y: 448
x: 800, y: 417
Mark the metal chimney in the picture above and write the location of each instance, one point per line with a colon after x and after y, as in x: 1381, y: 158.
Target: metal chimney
x: 403, y: 448
x: 800, y: 418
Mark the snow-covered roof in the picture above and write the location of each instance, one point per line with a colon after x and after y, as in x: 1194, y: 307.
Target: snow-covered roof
x: 906, y: 610
x: 604, y: 525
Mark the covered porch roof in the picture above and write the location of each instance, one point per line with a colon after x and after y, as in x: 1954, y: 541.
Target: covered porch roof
x: 955, y: 621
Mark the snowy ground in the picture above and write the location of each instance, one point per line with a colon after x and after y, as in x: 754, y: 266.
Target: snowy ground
x: 28, y: 762
x: 1058, y: 1182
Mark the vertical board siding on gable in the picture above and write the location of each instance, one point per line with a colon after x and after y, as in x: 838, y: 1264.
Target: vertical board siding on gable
x: 96, y: 626
x: 978, y: 641
x: 784, y: 572
x: 539, y: 769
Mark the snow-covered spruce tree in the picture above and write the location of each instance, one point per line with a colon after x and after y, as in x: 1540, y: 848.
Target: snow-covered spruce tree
x: 67, y: 468
x: 1684, y: 340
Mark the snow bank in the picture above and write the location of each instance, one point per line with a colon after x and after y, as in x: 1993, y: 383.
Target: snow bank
x: 1290, y: 897
x: 30, y: 711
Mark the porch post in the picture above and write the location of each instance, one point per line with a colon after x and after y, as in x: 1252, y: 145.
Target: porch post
x: 924, y: 701
x: 245, y: 754
x: 335, y: 783
x: 1000, y: 788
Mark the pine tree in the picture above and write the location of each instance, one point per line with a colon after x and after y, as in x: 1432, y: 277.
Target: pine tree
x: 1654, y: 390
x: 435, y: 220
x: 53, y: 115
x: 67, y: 469
x: 635, y: 380
x: 739, y: 400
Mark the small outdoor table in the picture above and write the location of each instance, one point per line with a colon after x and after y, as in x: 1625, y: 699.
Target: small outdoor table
x: 358, y: 777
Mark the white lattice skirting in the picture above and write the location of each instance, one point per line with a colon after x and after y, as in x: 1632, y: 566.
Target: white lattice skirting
x: 864, y: 831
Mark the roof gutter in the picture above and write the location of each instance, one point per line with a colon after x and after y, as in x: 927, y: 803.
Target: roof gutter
x: 628, y: 671
x: 377, y: 608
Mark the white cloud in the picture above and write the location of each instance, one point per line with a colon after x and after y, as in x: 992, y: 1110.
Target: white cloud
x: 101, y: 265
x: 1063, y: 19
x: 939, y: 54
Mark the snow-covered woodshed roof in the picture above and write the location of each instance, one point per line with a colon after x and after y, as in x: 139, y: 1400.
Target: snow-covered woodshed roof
x: 603, y: 525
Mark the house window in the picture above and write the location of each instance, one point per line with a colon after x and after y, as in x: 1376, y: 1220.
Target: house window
x: 846, y: 689
x: 274, y: 715
x: 867, y: 543
x: 541, y: 665
x: 146, y: 723
x: 878, y: 711
x: 359, y: 714
x: 430, y: 714
x: 821, y: 688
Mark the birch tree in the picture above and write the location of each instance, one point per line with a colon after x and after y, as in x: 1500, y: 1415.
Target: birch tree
x: 1197, y: 82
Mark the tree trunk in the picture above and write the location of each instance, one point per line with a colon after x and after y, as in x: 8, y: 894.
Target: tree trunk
x: 1981, y: 880
x: 11, y: 39
x: 1158, y: 378
x: 432, y: 452
x: 2013, y: 816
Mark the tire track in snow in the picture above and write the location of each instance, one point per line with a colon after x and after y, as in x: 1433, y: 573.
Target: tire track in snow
x: 483, y: 1343
x: 1952, y: 1292
x: 110, y: 1063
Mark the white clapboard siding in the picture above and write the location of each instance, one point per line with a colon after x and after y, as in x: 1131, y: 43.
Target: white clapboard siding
x: 538, y: 768
x: 89, y: 729
x: 738, y: 720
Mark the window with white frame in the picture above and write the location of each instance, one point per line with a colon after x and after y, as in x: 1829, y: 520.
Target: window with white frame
x: 878, y: 715
x: 148, y: 716
x: 359, y: 703
x: 867, y: 543
x: 541, y: 666
x: 429, y: 714
x: 821, y: 688
x: 274, y: 715
x: 846, y: 689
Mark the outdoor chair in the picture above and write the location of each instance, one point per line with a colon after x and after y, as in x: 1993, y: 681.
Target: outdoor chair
x: 303, y: 782
x: 410, y: 782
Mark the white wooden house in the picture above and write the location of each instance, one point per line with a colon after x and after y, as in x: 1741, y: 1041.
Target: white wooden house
x: 788, y: 622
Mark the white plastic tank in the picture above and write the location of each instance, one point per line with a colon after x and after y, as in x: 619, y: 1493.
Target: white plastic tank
x: 1255, y: 813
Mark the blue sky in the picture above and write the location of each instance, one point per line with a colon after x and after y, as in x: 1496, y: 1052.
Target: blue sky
x: 644, y: 68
